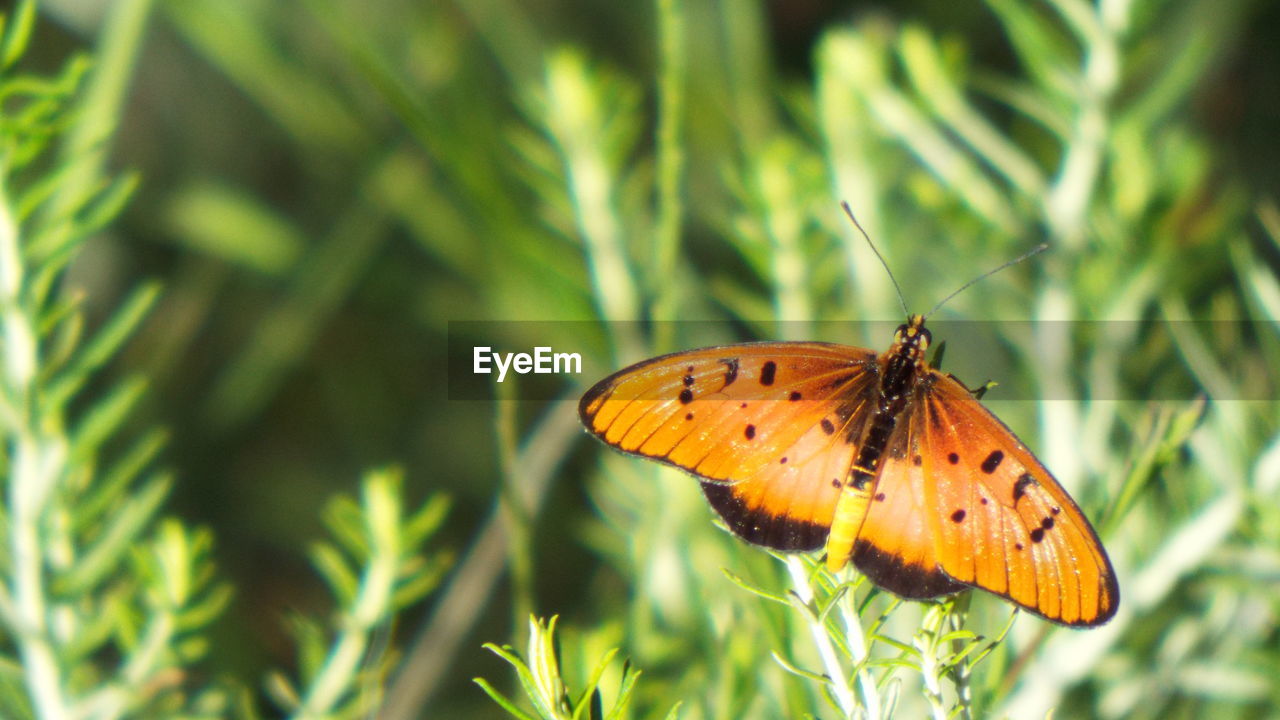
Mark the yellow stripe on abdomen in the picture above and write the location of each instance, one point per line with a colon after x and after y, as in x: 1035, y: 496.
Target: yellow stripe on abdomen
x: 851, y: 510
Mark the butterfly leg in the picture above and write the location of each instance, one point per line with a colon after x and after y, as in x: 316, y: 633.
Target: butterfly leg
x: 850, y: 511
x: 977, y: 392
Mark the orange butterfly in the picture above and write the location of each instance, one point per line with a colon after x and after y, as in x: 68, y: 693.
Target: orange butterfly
x: 884, y: 459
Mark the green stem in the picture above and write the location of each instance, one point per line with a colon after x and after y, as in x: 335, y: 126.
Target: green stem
x: 670, y: 163
x: 336, y: 678
x: 36, y: 463
x: 42, y: 673
x: 100, y: 112
x: 926, y: 642
x: 574, y: 117
x: 1071, y: 192
x: 822, y: 641
x: 861, y: 651
x: 516, y: 511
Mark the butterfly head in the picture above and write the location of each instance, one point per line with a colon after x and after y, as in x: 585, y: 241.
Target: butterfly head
x: 913, y: 336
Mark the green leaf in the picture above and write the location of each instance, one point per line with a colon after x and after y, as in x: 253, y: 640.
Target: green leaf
x: 345, y: 520
x: 236, y: 227
x: 281, y: 691
x: 502, y: 700
x: 422, y: 580
x: 312, y: 646
x: 106, y: 417
x: 103, y: 556
x: 630, y: 680
x: 207, y: 608
x: 340, y: 578
x: 753, y: 589
x: 590, y: 693
x: 794, y: 670
x: 114, y: 481
x: 16, y: 28
x: 104, y: 344
x: 423, y: 524
x: 107, y: 204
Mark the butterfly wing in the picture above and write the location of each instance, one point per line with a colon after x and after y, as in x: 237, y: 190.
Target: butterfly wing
x: 766, y: 426
x: 895, y: 545
x: 999, y: 519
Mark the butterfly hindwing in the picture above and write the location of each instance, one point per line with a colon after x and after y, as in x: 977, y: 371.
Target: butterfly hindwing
x: 766, y: 426
x: 895, y: 545
x: 1000, y: 520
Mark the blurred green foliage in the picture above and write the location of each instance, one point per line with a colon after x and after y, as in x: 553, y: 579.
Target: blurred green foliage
x: 325, y: 185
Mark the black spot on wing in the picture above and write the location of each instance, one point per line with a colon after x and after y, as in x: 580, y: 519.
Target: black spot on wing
x: 750, y: 432
x: 953, y: 458
x: 767, y: 372
x: 730, y: 370
x: 827, y: 427
x: 992, y: 462
x: 686, y: 396
x: 794, y: 396
x: 958, y: 516
x: 1020, y: 486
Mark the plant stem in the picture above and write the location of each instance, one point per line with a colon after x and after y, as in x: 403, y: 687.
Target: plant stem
x: 857, y: 643
x: 37, y: 462
x: 839, y: 683
x: 1078, y: 176
x: 369, y: 609
x: 671, y: 160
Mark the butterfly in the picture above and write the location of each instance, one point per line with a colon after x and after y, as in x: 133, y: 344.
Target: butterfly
x: 882, y: 459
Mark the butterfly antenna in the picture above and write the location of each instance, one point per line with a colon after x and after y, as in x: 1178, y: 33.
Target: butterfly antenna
x: 1034, y: 251
x: 902, y: 301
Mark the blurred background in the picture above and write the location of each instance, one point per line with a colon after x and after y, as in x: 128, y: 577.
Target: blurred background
x: 327, y: 185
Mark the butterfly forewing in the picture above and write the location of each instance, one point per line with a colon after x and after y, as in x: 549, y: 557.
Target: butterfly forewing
x: 769, y: 424
x: 999, y: 518
x: 723, y: 413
